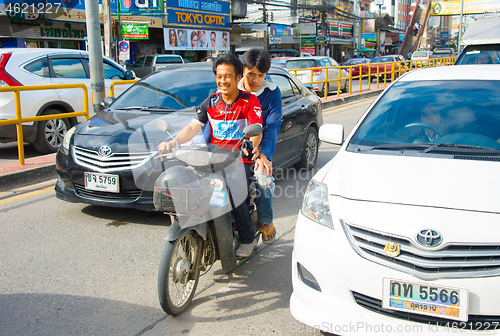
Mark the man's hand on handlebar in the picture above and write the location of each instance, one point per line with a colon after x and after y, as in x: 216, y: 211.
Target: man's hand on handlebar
x: 166, y: 147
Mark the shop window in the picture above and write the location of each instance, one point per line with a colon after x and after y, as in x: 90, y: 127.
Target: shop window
x: 68, y: 68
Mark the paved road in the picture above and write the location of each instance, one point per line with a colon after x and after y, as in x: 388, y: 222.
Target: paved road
x: 73, y: 269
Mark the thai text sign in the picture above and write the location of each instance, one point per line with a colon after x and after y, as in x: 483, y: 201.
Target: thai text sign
x: 134, y: 30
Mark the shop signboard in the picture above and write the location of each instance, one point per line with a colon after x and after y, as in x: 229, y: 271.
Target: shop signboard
x: 138, y: 7
x: 194, y: 13
x: 274, y: 40
x: 280, y: 30
x: 190, y: 39
x: 136, y: 31
x: 308, y: 45
x: 453, y: 7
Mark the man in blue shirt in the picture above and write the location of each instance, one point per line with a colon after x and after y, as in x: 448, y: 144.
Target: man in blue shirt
x: 256, y: 64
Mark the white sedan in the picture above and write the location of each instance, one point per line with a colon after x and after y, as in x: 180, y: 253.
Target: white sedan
x: 399, y: 233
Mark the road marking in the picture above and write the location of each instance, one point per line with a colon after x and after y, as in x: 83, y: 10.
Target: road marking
x: 33, y: 193
x: 343, y: 107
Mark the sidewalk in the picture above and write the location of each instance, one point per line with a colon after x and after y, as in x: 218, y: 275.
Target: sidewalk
x: 43, y: 168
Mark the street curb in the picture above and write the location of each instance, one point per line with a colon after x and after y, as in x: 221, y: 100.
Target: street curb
x: 22, y: 178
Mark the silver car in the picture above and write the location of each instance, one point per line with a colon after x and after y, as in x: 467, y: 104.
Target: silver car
x: 319, y: 75
x: 46, y: 66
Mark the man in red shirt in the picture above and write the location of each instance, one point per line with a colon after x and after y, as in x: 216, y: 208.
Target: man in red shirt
x: 227, y: 112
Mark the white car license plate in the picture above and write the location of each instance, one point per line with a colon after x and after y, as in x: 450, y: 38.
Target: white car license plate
x: 102, y: 182
x: 420, y: 298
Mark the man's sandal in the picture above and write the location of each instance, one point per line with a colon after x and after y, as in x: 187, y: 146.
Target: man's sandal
x: 271, y: 240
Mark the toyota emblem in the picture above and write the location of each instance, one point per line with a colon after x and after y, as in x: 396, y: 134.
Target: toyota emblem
x: 429, y: 238
x: 105, y: 151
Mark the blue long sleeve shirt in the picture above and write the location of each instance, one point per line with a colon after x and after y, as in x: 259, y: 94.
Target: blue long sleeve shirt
x: 269, y: 96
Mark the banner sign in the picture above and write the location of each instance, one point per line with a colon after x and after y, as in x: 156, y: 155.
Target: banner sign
x: 470, y: 7
x: 189, y: 39
x: 137, y: 7
x: 338, y: 28
x: 135, y: 31
x: 211, y: 13
x: 280, y: 30
x: 308, y: 45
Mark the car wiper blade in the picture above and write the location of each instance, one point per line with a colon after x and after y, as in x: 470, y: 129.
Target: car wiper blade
x: 156, y: 107
x: 400, y: 146
x: 145, y: 108
x: 465, y: 149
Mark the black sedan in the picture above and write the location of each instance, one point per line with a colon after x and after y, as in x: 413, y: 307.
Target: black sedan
x: 108, y: 160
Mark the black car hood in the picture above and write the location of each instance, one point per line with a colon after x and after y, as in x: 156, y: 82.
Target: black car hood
x: 116, y: 129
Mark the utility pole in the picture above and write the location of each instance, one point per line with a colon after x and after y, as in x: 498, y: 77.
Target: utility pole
x: 323, y: 31
x: 95, y: 53
x: 264, y: 20
x: 108, y: 40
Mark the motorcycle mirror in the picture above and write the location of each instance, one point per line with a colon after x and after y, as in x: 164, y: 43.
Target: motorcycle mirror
x: 163, y: 125
x: 252, y: 130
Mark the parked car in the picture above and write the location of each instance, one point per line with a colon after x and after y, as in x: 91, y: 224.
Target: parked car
x: 150, y: 63
x: 40, y: 66
x: 279, y: 61
x: 360, y: 63
x: 384, y: 66
x: 121, y: 142
x: 400, y: 229
x: 320, y: 74
x: 421, y: 57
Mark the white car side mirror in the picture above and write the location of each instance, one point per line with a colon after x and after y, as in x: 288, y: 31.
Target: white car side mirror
x: 332, y: 133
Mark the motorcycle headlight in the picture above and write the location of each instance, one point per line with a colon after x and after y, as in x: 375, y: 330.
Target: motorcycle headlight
x: 315, y: 205
x: 67, y: 138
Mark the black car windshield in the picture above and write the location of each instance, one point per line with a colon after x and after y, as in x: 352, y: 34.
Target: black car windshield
x: 447, y: 115
x: 168, y: 90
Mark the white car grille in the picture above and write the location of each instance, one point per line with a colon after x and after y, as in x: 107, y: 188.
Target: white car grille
x: 450, y: 261
x: 116, y: 161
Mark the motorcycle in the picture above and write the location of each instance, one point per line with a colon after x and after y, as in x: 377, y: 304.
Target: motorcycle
x: 199, y: 201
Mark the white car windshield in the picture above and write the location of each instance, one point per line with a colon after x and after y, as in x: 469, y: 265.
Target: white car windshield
x: 459, y: 114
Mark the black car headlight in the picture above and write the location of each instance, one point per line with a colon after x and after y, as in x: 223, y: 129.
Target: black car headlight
x: 67, y: 138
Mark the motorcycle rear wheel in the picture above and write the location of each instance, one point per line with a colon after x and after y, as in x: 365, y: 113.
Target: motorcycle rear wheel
x: 179, y: 273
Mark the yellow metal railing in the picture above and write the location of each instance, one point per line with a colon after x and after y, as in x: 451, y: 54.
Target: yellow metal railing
x: 19, y: 120
x: 386, y: 70
x: 122, y: 82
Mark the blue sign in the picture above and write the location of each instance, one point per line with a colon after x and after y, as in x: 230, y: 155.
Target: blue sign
x: 445, y: 35
x: 190, y: 18
x: 205, y: 13
x: 280, y: 30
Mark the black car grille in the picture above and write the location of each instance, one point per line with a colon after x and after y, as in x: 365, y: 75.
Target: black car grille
x: 116, y: 161
x: 450, y: 261
x: 475, y: 322
x: 127, y: 195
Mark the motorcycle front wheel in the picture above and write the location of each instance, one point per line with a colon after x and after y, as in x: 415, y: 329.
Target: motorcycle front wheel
x: 179, y: 273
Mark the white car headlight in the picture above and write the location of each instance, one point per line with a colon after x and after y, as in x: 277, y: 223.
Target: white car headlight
x: 315, y: 205
x: 67, y: 137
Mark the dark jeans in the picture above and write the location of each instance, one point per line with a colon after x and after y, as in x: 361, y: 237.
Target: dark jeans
x: 241, y: 213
